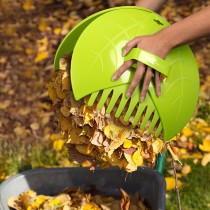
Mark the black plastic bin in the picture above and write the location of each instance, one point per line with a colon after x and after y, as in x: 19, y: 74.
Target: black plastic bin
x: 149, y: 183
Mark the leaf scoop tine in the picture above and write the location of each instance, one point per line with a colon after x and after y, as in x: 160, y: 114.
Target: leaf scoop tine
x: 92, y: 98
x: 149, y: 111
x: 104, y: 97
x: 113, y: 101
x: 133, y: 102
x: 159, y: 129
x: 153, y: 122
x: 139, y: 112
x: 121, y: 106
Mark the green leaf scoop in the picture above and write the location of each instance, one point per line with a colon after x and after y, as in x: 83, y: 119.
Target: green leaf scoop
x: 96, y: 45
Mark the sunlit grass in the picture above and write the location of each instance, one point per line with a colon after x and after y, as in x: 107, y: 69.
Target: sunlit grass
x: 195, y: 193
x: 14, y: 160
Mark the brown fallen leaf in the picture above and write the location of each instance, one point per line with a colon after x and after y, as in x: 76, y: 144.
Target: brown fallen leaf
x: 125, y: 201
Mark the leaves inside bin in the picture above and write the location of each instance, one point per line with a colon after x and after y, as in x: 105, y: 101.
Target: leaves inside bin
x: 75, y: 199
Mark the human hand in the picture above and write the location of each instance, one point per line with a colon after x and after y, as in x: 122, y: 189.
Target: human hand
x: 154, y: 44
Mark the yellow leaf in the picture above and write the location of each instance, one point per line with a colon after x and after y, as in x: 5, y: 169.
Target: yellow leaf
x: 131, y: 166
x: 109, y: 153
x: 41, y: 56
x: 58, y: 144
x: 186, y: 169
x: 170, y: 183
x: 201, y: 124
x: 127, y: 144
x: 187, y: 132
x: 107, y: 131
x: 86, y: 163
x: 205, y: 146
x: 42, y: 44
x: 29, y: 51
x: 57, y: 31
x: 206, y: 129
x: 137, y: 158
x: 39, y: 201
x: 43, y: 25
x: 116, y: 144
x: 182, y: 151
x: 31, y: 193
x: 116, y: 132
x: 192, y: 156
x: 88, y: 114
x: 90, y: 206
x: 206, y: 159
x: 158, y: 145
x: 65, y: 162
x: 27, y: 5
x: 54, y: 202
x: 138, y: 144
x: 179, y: 175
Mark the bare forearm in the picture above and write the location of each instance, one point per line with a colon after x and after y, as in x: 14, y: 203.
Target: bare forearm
x: 153, y: 5
x: 188, y: 29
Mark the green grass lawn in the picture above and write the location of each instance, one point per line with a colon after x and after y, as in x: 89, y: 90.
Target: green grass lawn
x: 195, y: 194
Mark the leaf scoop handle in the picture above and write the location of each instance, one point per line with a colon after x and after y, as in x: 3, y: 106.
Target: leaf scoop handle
x: 149, y: 59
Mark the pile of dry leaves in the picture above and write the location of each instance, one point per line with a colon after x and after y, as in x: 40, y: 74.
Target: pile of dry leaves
x: 96, y: 138
x: 75, y: 199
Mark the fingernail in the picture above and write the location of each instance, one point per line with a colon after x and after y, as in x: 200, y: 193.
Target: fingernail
x: 142, y: 98
x: 128, y: 95
x: 114, y: 78
x: 124, y: 52
x: 158, y: 94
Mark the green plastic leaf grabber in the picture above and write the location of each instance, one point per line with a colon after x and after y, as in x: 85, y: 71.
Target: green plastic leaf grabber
x: 96, y: 45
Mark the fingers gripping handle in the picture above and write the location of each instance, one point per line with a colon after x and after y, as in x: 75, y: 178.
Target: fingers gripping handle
x: 149, y: 59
